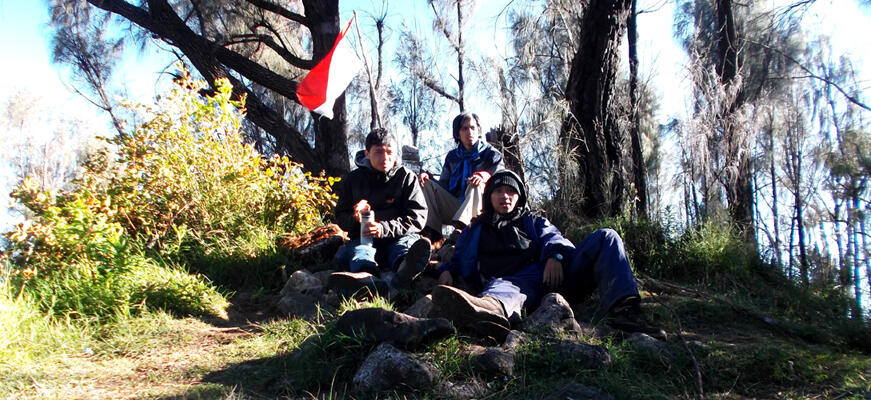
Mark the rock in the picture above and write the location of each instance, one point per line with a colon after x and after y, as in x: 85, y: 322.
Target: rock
x: 461, y: 390
x: 323, y: 276
x: 554, y: 315
x: 389, y: 368
x: 304, y: 282
x: 494, y: 361
x: 648, y: 343
x: 588, y: 356
x: 299, y: 305
x: 514, y: 340
x: 421, y: 307
x: 576, y: 391
x: 380, y: 325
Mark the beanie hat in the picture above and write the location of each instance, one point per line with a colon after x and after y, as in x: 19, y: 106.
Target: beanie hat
x: 504, y: 178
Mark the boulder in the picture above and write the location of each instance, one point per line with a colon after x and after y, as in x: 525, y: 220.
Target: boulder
x: 380, y: 325
x: 554, y: 315
x: 421, y: 308
x: 461, y: 390
x: 388, y: 368
x: 494, y: 361
x: 299, y: 305
x: 304, y: 282
x: 586, y: 355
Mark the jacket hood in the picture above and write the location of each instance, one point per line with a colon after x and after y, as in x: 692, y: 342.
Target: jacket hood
x: 502, y: 178
x: 362, y: 162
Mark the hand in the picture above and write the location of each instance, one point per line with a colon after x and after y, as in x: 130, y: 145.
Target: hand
x: 479, y: 178
x: 446, y: 278
x: 373, y: 229
x: 361, y: 206
x: 424, y: 176
x: 553, y: 273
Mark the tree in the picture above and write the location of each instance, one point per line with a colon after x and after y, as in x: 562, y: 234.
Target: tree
x: 410, y: 99
x: 257, y: 45
x: 454, y: 33
x: 592, y: 130
x: 40, y: 145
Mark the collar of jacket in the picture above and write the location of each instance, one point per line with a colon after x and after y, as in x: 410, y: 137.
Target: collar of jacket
x: 363, y: 162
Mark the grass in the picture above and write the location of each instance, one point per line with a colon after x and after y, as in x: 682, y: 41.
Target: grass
x: 813, y: 353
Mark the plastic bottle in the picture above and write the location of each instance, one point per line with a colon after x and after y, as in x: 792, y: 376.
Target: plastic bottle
x: 366, y: 217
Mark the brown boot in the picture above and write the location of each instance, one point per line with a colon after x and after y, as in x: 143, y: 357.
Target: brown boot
x: 414, y: 263
x: 626, y: 315
x: 468, y: 311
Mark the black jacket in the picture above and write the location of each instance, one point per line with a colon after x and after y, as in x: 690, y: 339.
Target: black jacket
x: 395, y: 197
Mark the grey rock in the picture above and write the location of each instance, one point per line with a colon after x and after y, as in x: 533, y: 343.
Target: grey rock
x: 461, y: 390
x: 323, y: 276
x: 304, y: 282
x: 421, y: 308
x: 514, y: 340
x: 380, y: 325
x: 494, y: 361
x: 389, y: 368
x: 576, y: 391
x: 554, y: 315
x: 587, y: 355
x: 299, y: 305
x: 648, y: 343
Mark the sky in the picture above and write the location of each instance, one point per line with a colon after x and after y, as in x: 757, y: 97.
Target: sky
x: 26, y: 65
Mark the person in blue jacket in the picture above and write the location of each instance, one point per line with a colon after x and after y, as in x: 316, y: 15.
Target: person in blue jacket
x: 512, y: 257
x: 456, y: 197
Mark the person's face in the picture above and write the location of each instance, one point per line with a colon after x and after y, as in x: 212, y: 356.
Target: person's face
x: 381, y: 157
x: 469, y: 131
x: 504, y: 199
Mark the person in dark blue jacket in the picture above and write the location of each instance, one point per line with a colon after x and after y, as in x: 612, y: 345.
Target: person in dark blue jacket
x: 456, y: 197
x: 512, y: 257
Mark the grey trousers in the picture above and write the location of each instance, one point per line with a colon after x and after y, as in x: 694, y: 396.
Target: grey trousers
x: 443, y: 208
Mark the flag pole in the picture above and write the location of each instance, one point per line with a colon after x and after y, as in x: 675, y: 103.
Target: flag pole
x: 372, y: 98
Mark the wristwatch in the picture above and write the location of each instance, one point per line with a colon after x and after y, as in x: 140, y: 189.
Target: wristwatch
x: 558, y: 256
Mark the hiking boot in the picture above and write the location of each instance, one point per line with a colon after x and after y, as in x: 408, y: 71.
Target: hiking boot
x: 356, y: 284
x: 627, y: 316
x: 468, y: 311
x: 414, y: 263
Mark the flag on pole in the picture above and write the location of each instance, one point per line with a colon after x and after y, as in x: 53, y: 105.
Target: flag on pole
x: 330, y: 77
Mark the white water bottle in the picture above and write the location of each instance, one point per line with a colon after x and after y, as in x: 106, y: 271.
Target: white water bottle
x: 366, y: 216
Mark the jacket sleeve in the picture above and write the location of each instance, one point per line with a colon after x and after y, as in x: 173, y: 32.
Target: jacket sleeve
x: 413, y: 217
x: 551, y: 240
x: 461, y: 249
x: 345, y: 208
x: 445, y: 175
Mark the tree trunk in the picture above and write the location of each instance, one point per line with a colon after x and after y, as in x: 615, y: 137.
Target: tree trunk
x: 638, y: 169
x: 740, y: 190
x: 592, y: 130
x: 461, y: 83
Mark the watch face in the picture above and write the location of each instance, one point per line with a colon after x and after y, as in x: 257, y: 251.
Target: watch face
x: 558, y: 256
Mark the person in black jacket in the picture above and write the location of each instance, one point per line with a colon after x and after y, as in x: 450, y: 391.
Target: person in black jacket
x: 511, y: 257
x: 456, y: 197
x: 393, y: 194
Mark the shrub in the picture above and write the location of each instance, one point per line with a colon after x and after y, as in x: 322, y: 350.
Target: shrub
x: 185, y: 182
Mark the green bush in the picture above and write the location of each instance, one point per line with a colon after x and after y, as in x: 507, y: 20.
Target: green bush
x: 185, y: 181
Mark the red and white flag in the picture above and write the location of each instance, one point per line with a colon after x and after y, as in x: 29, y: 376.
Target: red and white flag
x: 330, y: 77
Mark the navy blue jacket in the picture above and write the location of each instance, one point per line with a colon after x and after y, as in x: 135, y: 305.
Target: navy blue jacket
x: 546, y: 239
x: 490, y: 161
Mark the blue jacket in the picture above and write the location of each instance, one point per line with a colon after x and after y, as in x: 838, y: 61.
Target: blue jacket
x: 546, y: 238
x: 490, y: 161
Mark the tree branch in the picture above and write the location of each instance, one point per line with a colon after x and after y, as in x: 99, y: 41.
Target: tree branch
x: 812, y: 75
x: 275, y: 8
x: 275, y: 46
